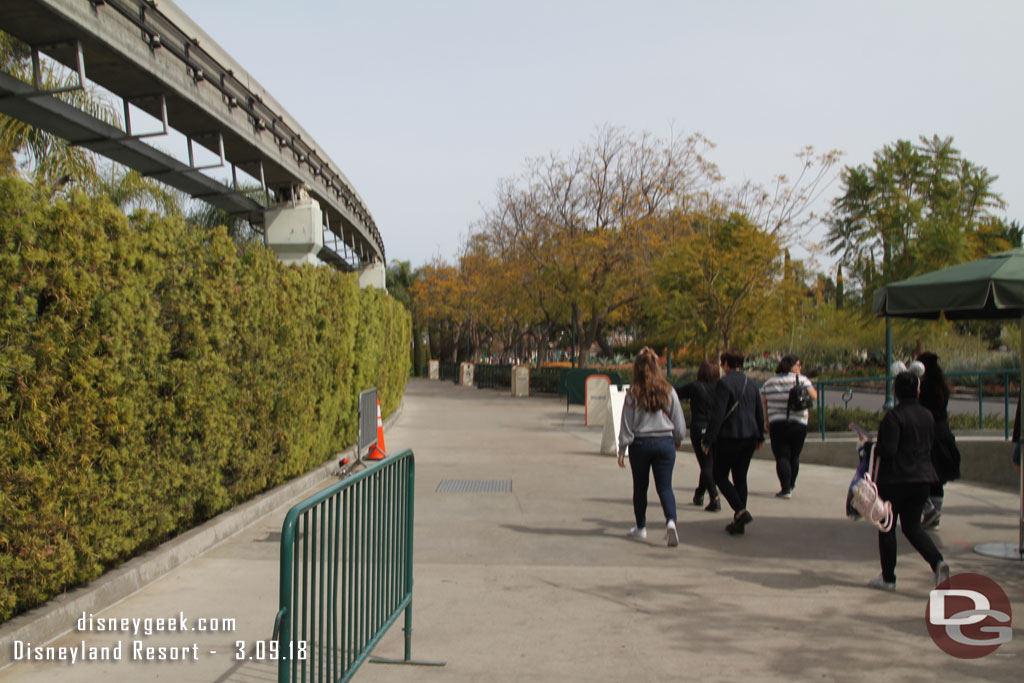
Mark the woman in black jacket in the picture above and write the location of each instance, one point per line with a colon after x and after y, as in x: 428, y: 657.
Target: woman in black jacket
x: 701, y: 396
x: 905, y: 474
x: 735, y: 431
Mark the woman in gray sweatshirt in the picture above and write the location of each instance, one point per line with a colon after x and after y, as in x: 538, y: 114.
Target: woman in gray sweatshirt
x: 652, y: 428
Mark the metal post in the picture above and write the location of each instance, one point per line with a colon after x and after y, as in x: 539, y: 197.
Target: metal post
x: 981, y: 401
x: 1006, y: 405
x: 572, y: 336
x: 821, y: 410
x: 889, y: 402
x: 409, y: 526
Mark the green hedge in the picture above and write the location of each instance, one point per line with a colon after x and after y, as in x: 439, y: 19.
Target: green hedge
x: 153, y: 375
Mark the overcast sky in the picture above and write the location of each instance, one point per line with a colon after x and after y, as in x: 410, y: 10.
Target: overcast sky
x: 426, y: 105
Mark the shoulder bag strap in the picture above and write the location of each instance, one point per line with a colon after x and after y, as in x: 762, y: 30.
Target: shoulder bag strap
x: 737, y: 403
x: 796, y: 383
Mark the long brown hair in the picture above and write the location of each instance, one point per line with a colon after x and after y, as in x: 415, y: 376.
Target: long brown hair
x: 708, y: 372
x: 650, y: 389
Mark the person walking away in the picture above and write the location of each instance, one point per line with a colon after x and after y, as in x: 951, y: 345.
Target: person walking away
x: 735, y: 430
x: 787, y: 428
x: 945, y: 453
x: 700, y: 393
x: 905, y: 475
x: 651, y: 429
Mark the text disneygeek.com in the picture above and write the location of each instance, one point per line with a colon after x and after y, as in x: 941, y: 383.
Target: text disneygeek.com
x: 137, y: 649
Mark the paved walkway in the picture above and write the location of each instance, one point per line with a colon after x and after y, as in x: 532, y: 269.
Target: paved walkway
x: 541, y: 584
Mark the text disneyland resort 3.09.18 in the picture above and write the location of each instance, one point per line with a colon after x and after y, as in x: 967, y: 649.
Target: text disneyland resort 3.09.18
x: 128, y: 639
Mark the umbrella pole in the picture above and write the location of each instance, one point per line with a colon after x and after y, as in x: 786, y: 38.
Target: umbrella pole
x: 889, y: 401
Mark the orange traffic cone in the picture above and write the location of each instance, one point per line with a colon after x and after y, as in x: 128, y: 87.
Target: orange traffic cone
x: 377, y: 450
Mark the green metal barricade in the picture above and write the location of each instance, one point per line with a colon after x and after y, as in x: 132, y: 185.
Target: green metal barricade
x: 346, y: 573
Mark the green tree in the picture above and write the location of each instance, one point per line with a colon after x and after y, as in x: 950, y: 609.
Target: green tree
x: 130, y: 191
x: 585, y: 222
x: 399, y: 280
x: 913, y: 209
x: 438, y: 304
x: 720, y: 284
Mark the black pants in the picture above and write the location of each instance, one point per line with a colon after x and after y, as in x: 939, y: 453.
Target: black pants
x: 706, y: 482
x: 907, y: 503
x: 732, y: 457
x: 787, y: 442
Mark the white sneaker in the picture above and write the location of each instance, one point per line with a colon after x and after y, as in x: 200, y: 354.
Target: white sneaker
x: 638, y: 533
x: 671, y: 534
x: 941, y: 572
x: 882, y: 585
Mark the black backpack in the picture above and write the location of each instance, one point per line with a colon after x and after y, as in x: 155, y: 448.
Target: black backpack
x: 799, y: 398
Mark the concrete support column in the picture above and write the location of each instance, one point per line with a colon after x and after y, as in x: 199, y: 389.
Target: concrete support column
x: 294, y: 230
x: 373, y: 274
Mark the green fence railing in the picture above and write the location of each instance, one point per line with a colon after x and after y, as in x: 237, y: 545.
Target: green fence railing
x: 1002, y: 378
x: 491, y: 376
x: 346, y: 573
x: 448, y: 370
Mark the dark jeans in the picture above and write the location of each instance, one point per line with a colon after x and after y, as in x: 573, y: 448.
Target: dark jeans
x: 787, y: 442
x: 732, y: 456
x: 706, y: 482
x: 657, y: 454
x: 907, y: 503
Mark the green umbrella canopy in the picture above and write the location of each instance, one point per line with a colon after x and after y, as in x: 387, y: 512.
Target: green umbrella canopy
x: 992, y: 287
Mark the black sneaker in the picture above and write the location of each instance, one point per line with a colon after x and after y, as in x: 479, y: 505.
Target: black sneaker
x: 714, y: 506
x: 734, y: 528
x: 784, y: 494
x: 698, y: 498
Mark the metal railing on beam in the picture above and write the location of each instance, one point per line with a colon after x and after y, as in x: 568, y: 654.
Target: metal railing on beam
x: 145, y: 49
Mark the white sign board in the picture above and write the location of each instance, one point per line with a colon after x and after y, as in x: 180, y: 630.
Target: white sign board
x: 595, y: 396
x: 521, y: 380
x: 610, y: 438
x: 434, y: 369
x: 466, y: 374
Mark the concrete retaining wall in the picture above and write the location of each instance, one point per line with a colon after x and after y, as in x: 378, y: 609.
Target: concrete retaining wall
x: 984, y: 459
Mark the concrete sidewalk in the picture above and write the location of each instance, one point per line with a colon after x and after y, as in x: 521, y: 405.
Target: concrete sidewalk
x: 541, y: 583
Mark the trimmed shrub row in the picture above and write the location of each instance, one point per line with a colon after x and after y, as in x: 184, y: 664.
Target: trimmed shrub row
x: 153, y: 375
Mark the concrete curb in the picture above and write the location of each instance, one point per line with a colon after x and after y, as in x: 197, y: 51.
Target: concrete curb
x: 50, y: 620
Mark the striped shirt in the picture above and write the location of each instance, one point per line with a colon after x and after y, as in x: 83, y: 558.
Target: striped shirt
x: 776, y: 393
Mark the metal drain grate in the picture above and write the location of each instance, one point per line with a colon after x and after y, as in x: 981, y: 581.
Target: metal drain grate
x: 475, y: 486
